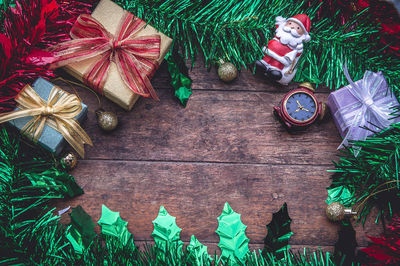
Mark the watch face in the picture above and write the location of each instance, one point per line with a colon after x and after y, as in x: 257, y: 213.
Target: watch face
x: 301, y: 107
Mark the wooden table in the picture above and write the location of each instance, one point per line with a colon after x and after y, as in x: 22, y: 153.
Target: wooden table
x: 225, y: 146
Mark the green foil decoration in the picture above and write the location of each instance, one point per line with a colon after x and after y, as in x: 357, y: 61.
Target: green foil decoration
x: 197, y: 253
x: 339, y: 194
x: 279, y: 233
x: 179, y: 77
x: 166, y: 232
x: 54, y: 179
x: 232, y: 238
x: 112, y: 225
x: 81, y: 233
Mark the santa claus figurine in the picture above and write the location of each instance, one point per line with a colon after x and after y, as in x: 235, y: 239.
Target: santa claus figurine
x: 284, y: 50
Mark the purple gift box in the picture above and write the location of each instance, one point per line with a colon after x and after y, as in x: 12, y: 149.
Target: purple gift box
x: 364, y: 103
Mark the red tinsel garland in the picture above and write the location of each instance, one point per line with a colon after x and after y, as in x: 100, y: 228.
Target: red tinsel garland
x: 380, y: 10
x: 386, y: 248
x: 32, y: 24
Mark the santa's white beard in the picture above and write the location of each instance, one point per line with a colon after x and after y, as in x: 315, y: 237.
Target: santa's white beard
x: 290, y: 37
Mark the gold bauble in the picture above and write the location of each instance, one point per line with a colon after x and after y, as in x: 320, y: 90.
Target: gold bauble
x: 107, y: 121
x: 227, y: 72
x: 335, y: 211
x: 69, y: 160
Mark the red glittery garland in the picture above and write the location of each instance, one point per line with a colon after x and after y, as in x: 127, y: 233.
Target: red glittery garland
x: 386, y: 248
x: 31, y: 25
x: 383, y: 12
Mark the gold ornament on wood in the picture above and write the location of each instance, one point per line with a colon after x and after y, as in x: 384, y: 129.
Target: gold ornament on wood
x: 227, y: 71
x: 69, y: 160
x: 107, y: 121
x: 337, y: 211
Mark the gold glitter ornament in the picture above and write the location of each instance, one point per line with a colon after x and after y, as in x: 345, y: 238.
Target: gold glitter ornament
x: 107, y: 121
x: 337, y: 211
x: 69, y: 160
x: 227, y: 71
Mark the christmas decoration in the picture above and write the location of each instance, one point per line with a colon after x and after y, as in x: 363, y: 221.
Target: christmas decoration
x: 107, y: 121
x: 179, y: 77
x: 223, y: 29
x: 69, y: 160
x: 204, y: 27
x: 336, y: 211
x: 279, y: 233
x: 112, y: 225
x: 340, y: 194
x: 363, y: 107
x: 386, y: 15
x: 303, y: 258
x: 372, y: 176
x: 232, y: 238
x: 227, y: 72
x: 380, y: 11
x: 366, y: 52
x: 28, y: 182
x: 198, y: 254
x: 166, y: 232
x: 81, y: 233
x: 283, y: 51
x: 115, y: 55
x: 4, y: 4
x: 32, y: 25
x: 79, y: 244
x: 386, y: 248
x: 345, y: 247
x: 48, y: 115
x: 300, y: 108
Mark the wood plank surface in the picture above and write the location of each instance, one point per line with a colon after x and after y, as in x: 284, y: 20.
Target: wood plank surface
x: 225, y: 146
x: 215, y: 127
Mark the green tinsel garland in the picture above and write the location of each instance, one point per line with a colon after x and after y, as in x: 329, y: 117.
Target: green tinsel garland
x: 372, y: 178
x: 4, y: 4
x: 236, y: 31
x: 30, y: 234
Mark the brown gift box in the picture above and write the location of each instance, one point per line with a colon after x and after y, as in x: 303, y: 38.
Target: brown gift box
x: 109, y: 14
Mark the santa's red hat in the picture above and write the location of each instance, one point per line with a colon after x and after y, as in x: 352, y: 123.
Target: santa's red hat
x: 303, y: 20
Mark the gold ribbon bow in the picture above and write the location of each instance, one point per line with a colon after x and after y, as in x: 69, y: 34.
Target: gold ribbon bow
x: 58, y: 112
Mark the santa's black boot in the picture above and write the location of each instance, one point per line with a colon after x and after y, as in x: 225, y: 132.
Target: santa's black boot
x: 274, y: 74
x: 261, y: 65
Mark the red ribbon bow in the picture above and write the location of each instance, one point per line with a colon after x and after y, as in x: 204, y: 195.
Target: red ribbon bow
x: 135, y: 56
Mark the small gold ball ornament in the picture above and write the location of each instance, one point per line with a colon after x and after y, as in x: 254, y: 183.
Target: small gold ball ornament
x: 336, y: 211
x: 69, y: 160
x: 227, y: 72
x: 107, y: 121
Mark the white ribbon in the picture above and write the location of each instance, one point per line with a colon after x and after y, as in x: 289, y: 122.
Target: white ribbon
x: 373, y: 108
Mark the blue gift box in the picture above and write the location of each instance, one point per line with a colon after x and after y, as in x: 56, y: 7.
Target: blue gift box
x: 50, y: 139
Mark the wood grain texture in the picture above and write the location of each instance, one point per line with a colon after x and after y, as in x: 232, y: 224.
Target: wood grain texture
x: 217, y: 126
x: 225, y: 146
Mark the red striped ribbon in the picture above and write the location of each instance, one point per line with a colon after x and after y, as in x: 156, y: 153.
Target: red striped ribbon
x: 134, y: 55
